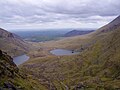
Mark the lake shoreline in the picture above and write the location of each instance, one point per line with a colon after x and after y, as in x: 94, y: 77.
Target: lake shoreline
x: 20, y: 59
x: 62, y: 52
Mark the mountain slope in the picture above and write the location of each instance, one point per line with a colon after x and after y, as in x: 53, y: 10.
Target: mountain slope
x: 110, y: 26
x: 11, y: 78
x: 77, y: 32
x: 12, y: 44
x: 95, y: 68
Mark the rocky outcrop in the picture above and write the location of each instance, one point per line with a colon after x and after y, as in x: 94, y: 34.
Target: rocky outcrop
x: 7, y: 70
x: 12, y: 78
x: 7, y: 66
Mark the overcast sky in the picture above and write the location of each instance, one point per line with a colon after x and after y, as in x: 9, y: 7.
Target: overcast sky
x: 35, y: 14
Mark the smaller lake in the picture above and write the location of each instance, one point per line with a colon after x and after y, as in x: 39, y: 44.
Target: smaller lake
x: 20, y: 59
x: 61, y: 52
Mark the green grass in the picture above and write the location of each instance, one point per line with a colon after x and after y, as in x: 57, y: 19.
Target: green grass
x: 97, y: 67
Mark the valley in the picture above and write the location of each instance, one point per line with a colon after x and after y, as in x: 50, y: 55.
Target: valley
x: 59, y: 45
x: 36, y: 50
x: 96, y: 67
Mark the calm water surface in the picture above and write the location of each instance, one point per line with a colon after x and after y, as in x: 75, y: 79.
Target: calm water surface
x: 60, y: 52
x: 20, y: 59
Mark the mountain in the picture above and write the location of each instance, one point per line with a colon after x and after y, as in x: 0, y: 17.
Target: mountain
x: 11, y: 78
x: 12, y: 44
x: 96, y: 68
x: 7, y: 69
x: 110, y: 26
x: 77, y: 32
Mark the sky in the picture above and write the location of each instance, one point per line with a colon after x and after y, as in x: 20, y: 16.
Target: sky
x: 46, y: 14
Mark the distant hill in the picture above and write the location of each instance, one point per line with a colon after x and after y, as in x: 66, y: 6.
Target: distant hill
x: 77, y: 32
x: 12, y: 44
x: 40, y: 36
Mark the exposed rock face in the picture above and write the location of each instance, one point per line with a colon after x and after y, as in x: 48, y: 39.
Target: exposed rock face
x: 0, y: 53
x: 11, y: 78
x: 9, y: 86
x: 5, y: 34
x: 7, y: 66
x: 7, y: 70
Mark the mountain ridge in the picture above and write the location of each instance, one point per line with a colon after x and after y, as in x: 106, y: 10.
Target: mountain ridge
x: 77, y: 32
x: 110, y: 26
x: 12, y: 43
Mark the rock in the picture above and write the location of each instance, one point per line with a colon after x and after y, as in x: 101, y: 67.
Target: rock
x: 79, y: 86
x: 10, y: 35
x: 72, y: 51
x: 1, y: 88
x: 0, y: 52
x: 9, y: 86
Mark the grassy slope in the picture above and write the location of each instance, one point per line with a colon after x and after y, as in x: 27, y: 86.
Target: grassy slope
x: 72, y: 43
x: 13, y: 44
x: 97, y: 67
x: 10, y: 47
x: 9, y: 73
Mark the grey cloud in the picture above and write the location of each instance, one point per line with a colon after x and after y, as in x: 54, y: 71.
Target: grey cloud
x: 91, y: 7
x: 46, y: 11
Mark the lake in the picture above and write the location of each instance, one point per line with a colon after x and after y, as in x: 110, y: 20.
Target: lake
x: 20, y: 59
x: 61, y: 52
